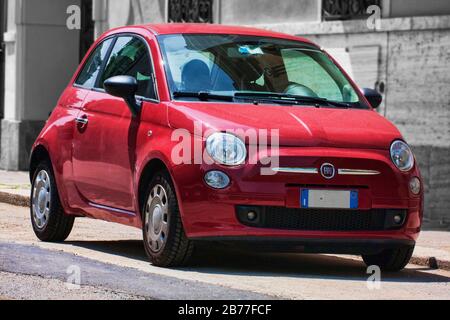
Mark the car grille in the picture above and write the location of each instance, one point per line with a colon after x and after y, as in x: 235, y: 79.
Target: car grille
x: 322, y: 219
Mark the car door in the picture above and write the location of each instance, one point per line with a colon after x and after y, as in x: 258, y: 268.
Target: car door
x: 104, y: 144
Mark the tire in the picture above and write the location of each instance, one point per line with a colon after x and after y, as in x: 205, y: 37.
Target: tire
x: 390, y: 259
x: 165, y: 241
x: 50, y: 223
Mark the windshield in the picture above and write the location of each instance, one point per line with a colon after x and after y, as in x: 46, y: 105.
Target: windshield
x: 269, y: 68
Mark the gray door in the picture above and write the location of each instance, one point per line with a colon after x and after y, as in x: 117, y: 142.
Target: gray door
x: 2, y: 55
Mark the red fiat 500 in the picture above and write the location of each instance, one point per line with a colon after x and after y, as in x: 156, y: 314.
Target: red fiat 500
x: 225, y: 134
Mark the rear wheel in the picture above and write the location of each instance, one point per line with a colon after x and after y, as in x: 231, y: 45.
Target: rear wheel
x: 50, y: 223
x: 164, y: 239
x: 390, y: 259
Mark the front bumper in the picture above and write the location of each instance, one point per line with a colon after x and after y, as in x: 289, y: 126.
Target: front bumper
x: 209, y: 213
x: 300, y: 245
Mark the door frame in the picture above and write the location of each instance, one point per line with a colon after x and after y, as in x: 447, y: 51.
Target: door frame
x: 87, y: 27
x: 3, y: 17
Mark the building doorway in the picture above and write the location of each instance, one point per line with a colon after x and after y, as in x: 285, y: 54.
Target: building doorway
x: 87, y: 27
x: 3, y: 13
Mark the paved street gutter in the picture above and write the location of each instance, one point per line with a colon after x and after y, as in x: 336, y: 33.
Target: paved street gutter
x: 29, y: 260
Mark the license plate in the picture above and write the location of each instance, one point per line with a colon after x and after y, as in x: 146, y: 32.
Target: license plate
x: 329, y: 199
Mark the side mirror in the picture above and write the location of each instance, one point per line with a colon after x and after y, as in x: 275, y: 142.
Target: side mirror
x: 373, y: 96
x: 124, y: 87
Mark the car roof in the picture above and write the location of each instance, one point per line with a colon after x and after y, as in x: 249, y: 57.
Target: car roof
x: 202, y: 28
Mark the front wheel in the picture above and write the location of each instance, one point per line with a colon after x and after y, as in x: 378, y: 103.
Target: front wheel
x: 390, y: 259
x: 164, y: 239
x: 50, y: 223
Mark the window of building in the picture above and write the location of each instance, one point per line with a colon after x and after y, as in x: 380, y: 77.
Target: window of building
x: 347, y: 10
x: 200, y: 11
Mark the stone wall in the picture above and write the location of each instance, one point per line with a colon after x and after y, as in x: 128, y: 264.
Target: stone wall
x: 268, y: 11
x: 411, y: 56
x: 411, y: 8
x: 419, y: 103
x: 110, y: 14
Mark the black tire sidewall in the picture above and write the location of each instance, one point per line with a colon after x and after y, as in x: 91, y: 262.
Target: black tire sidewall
x: 164, y: 255
x: 50, y: 228
x: 393, y: 260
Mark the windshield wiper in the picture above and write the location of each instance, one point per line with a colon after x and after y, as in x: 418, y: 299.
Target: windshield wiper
x: 281, y: 98
x: 206, y: 96
x: 292, y: 98
x: 203, y: 96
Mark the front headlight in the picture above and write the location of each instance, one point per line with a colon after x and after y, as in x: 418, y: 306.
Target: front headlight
x: 226, y: 149
x: 402, y: 155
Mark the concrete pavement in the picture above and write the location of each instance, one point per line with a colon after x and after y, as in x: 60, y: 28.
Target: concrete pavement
x: 112, y: 263
x: 433, y: 247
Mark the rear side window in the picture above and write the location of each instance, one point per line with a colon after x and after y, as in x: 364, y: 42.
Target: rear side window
x: 88, y: 75
x: 130, y: 57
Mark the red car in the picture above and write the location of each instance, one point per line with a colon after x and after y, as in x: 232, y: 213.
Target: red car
x: 225, y: 134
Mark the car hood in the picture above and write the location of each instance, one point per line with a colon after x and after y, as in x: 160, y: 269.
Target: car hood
x: 298, y: 125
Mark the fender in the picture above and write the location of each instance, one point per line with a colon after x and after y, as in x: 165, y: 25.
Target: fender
x: 139, y: 172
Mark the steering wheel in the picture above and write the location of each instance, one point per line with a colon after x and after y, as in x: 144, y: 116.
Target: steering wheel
x: 300, y: 90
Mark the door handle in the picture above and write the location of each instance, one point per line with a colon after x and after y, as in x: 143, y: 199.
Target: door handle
x: 83, y: 121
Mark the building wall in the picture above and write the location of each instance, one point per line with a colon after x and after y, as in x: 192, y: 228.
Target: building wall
x: 41, y: 56
x: 114, y: 13
x: 419, y: 103
x: 415, y: 8
x: 47, y: 48
x: 268, y: 11
x: 10, y: 58
x: 110, y: 14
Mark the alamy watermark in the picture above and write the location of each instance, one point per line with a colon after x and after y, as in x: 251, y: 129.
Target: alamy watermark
x: 374, y: 20
x: 374, y: 280
x: 263, y: 146
x: 74, y: 277
x: 73, y: 21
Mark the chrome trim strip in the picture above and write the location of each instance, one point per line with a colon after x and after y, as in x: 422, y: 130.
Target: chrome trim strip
x: 357, y: 172
x: 120, y: 211
x: 343, y: 172
x: 297, y: 170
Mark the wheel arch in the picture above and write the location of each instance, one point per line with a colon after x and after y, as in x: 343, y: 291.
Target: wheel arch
x: 39, y: 154
x: 152, y: 167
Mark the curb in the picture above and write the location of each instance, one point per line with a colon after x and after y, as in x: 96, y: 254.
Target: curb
x: 15, y: 199
x: 430, y: 262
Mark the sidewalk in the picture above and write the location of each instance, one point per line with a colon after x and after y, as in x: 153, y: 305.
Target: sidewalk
x: 432, y: 249
x: 15, y: 188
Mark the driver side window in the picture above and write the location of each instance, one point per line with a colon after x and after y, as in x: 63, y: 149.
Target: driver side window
x: 88, y: 75
x: 130, y: 57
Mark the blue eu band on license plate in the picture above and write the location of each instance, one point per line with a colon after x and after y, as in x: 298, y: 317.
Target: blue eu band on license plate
x: 329, y: 199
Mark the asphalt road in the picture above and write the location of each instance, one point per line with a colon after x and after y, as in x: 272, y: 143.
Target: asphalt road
x: 110, y: 263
